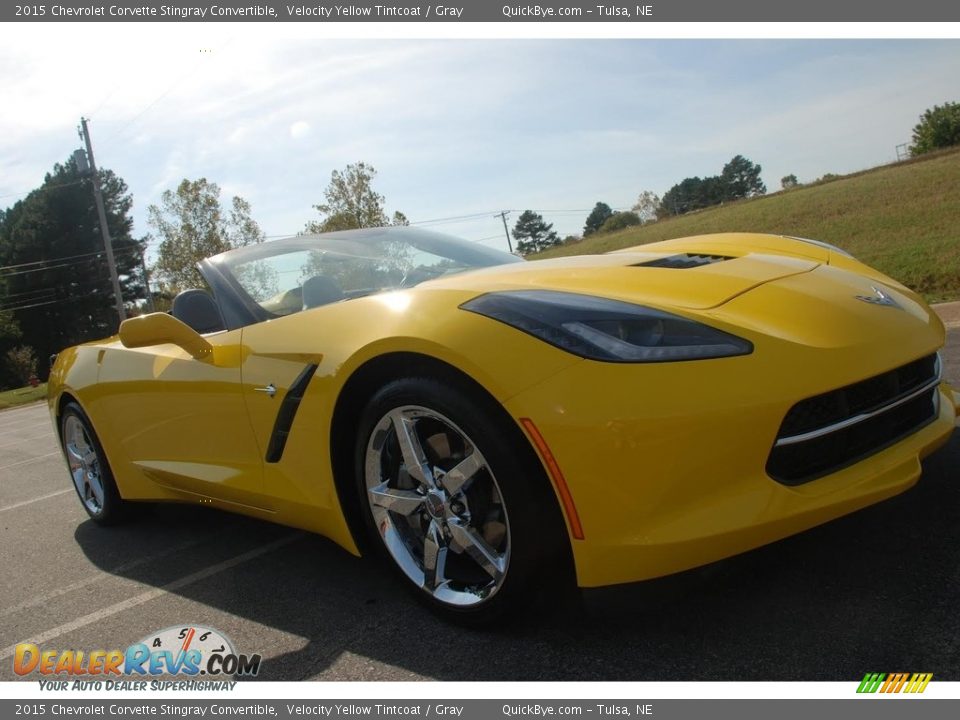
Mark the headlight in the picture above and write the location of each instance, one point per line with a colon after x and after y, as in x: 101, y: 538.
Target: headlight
x: 608, y: 330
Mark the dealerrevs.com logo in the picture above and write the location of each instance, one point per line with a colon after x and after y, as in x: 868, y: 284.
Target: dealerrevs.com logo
x: 894, y: 682
x: 190, y: 650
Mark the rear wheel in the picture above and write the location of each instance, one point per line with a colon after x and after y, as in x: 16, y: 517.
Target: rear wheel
x: 89, y: 469
x: 453, y: 502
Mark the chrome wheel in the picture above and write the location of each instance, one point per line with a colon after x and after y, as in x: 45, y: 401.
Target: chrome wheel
x: 436, y: 506
x: 84, y: 464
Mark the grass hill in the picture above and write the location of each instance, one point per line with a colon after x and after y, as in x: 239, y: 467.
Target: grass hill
x: 903, y: 219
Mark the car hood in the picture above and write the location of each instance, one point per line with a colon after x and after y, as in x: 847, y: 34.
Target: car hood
x: 681, y: 280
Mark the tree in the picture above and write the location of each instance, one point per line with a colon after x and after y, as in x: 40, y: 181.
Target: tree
x: 939, y: 127
x: 646, y: 206
x: 619, y: 221
x: 788, y: 182
x: 192, y: 224
x: 59, y: 293
x: 741, y: 179
x: 351, y: 202
x: 597, y: 217
x: 533, y: 234
x: 691, y: 194
x: 9, y: 329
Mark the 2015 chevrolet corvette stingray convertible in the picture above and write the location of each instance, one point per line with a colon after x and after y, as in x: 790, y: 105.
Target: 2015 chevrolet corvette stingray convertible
x: 491, y: 426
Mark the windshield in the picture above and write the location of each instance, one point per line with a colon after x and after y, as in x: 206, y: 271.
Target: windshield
x: 299, y: 273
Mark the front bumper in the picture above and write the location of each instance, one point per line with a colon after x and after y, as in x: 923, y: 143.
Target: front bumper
x: 666, y: 463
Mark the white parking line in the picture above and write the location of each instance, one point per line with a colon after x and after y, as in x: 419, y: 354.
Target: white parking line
x: 149, y: 595
x: 17, y: 441
x: 36, y: 499
x: 10, y: 418
x: 18, y: 426
x: 24, y: 462
x: 44, y: 599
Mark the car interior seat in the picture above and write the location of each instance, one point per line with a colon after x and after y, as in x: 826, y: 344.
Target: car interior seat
x: 320, y: 290
x: 199, y: 310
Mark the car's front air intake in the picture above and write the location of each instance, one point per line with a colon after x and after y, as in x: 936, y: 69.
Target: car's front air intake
x: 827, y: 432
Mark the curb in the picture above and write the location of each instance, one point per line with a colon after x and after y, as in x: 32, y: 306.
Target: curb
x: 949, y: 313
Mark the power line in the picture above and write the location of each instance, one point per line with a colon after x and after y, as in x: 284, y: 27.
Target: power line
x: 43, y: 187
x: 456, y: 218
x: 40, y: 269
x: 178, y: 82
x: 36, y: 291
x: 55, y: 266
x: 27, y: 307
x: 48, y: 296
x: 66, y: 257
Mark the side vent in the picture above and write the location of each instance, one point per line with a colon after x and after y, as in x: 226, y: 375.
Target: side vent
x: 684, y: 261
x: 286, y: 414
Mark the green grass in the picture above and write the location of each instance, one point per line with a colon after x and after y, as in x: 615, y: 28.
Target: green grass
x: 22, y: 396
x: 902, y: 219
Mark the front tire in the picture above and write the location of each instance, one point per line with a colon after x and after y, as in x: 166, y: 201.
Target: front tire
x: 455, y: 502
x: 89, y: 468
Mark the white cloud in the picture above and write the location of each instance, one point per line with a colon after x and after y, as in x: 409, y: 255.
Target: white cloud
x: 300, y: 129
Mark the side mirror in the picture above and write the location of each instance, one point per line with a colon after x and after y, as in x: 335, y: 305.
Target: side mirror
x: 159, y: 328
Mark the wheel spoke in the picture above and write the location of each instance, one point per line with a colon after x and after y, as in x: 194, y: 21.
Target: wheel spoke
x: 74, y: 454
x: 434, y: 559
x: 414, y: 457
x: 80, y: 481
x: 96, y: 488
x: 402, y: 502
x: 465, y: 537
x: 461, y: 475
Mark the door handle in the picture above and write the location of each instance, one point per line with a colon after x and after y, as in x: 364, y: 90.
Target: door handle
x: 270, y: 389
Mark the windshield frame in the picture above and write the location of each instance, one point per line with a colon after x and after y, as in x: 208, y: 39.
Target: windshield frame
x: 239, y: 308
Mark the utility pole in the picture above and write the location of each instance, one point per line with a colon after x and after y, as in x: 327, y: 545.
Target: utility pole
x: 102, y: 215
x: 503, y: 216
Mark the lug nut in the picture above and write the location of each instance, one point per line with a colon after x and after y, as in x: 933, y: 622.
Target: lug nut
x: 457, y: 507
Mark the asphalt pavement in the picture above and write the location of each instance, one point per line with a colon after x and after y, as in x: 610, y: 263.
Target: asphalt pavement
x: 874, y: 591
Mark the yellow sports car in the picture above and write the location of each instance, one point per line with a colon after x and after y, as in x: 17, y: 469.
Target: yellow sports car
x: 495, y: 427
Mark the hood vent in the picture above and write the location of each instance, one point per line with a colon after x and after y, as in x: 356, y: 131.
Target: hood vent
x: 684, y: 261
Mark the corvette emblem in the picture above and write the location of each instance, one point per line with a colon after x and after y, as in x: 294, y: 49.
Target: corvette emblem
x: 879, y: 298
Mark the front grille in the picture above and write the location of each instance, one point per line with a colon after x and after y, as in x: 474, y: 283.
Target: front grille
x: 684, y: 261
x: 825, y: 433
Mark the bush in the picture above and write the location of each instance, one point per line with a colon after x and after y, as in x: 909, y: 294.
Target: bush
x: 788, y: 182
x: 939, y: 127
x: 22, y: 363
x: 619, y: 221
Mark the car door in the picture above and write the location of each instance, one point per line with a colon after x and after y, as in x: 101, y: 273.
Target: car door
x: 182, y: 421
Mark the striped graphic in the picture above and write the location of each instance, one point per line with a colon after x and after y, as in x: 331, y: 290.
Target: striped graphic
x: 894, y: 682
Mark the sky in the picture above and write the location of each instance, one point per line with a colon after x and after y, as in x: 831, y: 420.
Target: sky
x: 454, y: 127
